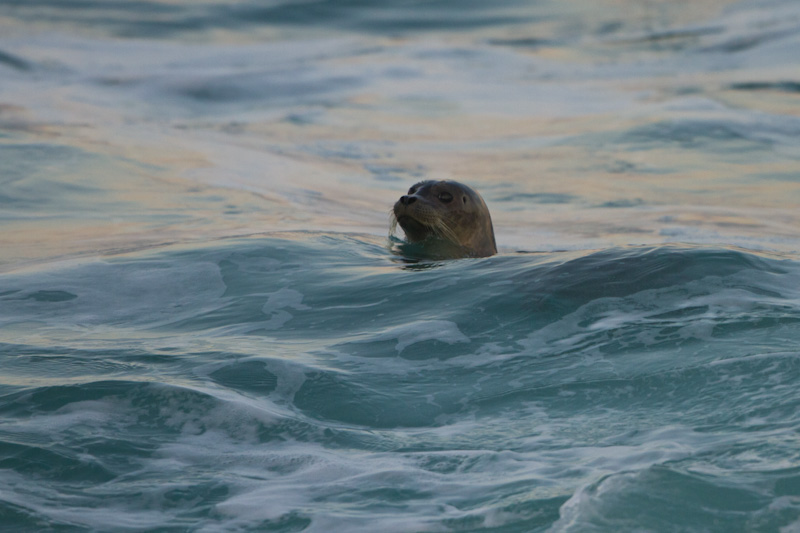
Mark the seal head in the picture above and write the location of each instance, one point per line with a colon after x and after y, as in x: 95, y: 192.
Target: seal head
x: 447, y: 217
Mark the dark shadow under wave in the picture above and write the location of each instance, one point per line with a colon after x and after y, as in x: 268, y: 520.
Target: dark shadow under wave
x: 157, y: 19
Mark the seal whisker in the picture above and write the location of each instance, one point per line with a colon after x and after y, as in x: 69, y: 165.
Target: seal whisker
x: 392, y: 223
x: 445, y: 231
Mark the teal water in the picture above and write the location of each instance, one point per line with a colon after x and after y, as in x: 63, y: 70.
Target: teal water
x: 314, y: 381
x: 205, y: 326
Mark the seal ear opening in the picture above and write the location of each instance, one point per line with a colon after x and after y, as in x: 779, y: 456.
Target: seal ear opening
x: 464, y: 198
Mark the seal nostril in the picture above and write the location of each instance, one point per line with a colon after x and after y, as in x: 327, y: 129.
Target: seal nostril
x: 407, y: 200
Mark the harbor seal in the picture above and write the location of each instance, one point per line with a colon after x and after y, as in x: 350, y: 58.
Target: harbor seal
x: 448, y: 218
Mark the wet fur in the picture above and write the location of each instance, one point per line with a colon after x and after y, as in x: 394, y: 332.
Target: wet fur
x: 454, y: 229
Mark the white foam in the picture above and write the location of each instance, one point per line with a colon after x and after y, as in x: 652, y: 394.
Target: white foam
x: 276, y: 305
x: 420, y: 331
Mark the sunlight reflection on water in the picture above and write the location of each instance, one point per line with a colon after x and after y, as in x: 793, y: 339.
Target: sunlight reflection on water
x: 228, y: 136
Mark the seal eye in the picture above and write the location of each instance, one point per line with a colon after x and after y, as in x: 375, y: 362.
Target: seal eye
x: 445, y: 197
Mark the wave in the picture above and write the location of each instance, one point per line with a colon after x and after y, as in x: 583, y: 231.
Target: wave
x: 197, y: 383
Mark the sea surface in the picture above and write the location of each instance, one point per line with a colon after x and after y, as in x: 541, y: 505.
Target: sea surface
x: 205, y: 324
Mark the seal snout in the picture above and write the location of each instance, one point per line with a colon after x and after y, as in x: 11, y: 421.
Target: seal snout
x: 407, y: 200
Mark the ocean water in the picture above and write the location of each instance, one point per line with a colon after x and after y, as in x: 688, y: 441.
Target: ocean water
x: 206, y: 326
